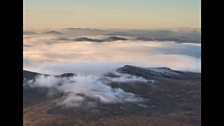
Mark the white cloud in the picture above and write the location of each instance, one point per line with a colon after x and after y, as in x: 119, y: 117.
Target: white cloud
x: 90, y: 86
x: 97, y: 58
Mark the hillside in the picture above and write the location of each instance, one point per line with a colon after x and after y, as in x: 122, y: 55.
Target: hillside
x: 160, y: 97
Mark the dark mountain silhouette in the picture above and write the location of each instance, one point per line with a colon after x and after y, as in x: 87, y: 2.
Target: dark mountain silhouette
x: 109, y: 39
x: 176, y: 35
x: 161, y: 72
x: 53, y: 33
x: 87, y: 39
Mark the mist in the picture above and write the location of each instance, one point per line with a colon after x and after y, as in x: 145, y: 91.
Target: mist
x: 55, y: 56
x: 79, y: 87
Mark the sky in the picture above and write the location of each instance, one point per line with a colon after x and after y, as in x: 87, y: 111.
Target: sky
x: 127, y: 14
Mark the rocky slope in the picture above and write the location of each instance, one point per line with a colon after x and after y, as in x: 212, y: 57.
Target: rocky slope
x: 169, y: 98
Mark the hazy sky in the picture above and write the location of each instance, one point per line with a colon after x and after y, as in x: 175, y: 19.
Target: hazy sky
x: 138, y: 14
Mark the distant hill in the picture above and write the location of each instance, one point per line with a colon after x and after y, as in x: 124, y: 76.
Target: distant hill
x: 160, y: 72
x: 176, y: 35
x: 108, y: 39
x: 53, y: 33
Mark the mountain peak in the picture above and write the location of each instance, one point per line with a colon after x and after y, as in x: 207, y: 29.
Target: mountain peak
x: 53, y: 32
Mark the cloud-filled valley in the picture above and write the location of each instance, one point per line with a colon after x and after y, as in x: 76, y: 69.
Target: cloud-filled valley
x: 79, y: 87
x: 59, y: 53
x: 90, y: 57
x: 89, y: 75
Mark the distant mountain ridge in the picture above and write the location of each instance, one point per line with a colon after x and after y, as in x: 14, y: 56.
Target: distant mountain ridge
x: 158, y: 72
x: 146, y: 73
x: 31, y: 75
x: 53, y: 32
x: 108, y: 39
x: 176, y: 35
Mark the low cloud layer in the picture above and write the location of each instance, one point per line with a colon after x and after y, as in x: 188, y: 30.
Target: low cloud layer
x: 61, y: 56
x: 77, y: 88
